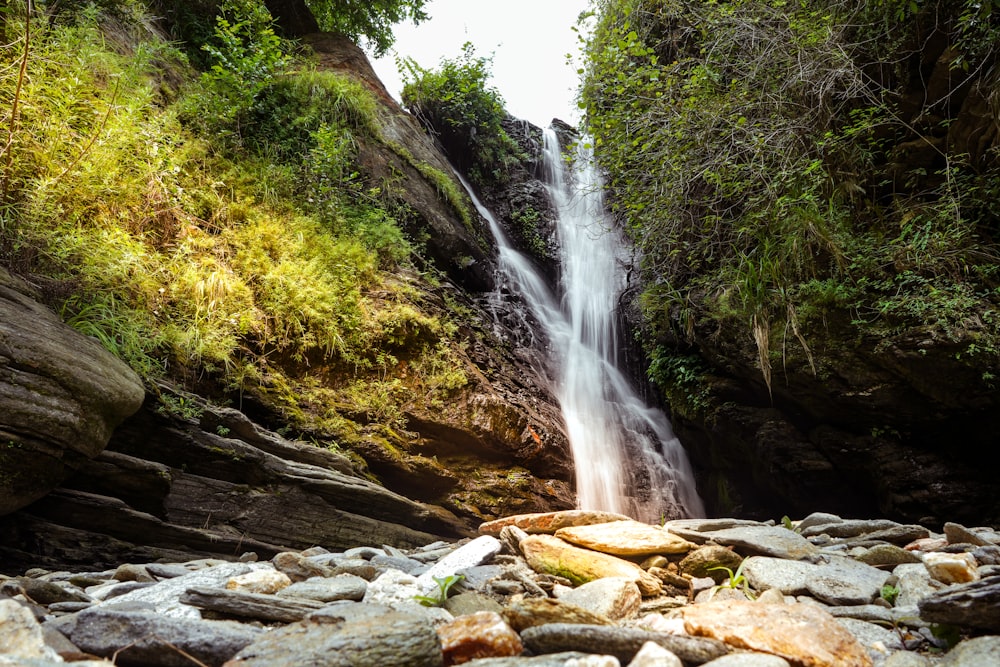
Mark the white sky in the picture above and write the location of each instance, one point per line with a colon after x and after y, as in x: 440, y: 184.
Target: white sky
x: 529, y: 40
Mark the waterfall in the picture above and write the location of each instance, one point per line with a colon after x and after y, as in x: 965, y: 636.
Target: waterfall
x: 625, y: 455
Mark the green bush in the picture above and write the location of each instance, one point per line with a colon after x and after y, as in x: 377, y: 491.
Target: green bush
x: 457, y: 97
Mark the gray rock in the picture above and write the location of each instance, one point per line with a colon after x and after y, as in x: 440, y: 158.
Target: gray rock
x: 914, y: 584
x: 47, y: 592
x: 21, y: 634
x: 818, y: 519
x: 977, y: 652
x: 878, y: 641
x: 166, y: 571
x: 328, y: 589
x: 974, y: 605
x: 61, y: 396
x: 401, y: 563
x: 476, y: 552
x: 699, y: 530
x: 906, y: 659
x: 470, y: 602
x: 774, y: 541
x: 845, y: 581
x: 888, y: 555
x: 623, y: 643
x: 748, y: 660
x: 848, y: 528
x: 165, y: 596
x: 254, y: 606
x: 299, y: 567
x: 788, y: 576
x: 146, y: 639
x: 565, y: 659
x: 391, y: 638
x: 988, y: 555
x: 615, y: 598
x: 866, y: 612
x: 364, y: 553
x: 959, y: 534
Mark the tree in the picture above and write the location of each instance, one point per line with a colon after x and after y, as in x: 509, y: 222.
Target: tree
x: 371, y: 20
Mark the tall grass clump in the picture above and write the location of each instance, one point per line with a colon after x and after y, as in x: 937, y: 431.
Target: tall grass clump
x: 220, y: 231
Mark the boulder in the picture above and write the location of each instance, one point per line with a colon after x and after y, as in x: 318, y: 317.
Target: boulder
x: 61, y: 396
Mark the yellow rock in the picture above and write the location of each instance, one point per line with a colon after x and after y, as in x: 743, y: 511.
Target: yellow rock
x: 259, y: 581
x: 626, y: 538
x: 802, y: 634
x: 551, y: 555
x: 549, y: 522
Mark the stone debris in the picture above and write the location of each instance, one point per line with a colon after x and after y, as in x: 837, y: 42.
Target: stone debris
x: 824, y: 591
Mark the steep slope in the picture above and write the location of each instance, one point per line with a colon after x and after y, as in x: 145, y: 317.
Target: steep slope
x: 282, y: 239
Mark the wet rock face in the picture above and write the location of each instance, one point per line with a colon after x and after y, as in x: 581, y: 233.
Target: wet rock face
x: 61, y: 396
x: 903, y: 430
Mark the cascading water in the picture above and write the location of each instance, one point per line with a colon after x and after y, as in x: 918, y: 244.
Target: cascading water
x: 625, y: 455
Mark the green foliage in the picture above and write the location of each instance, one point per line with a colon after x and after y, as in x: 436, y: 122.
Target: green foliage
x: 889, y: 593
x: 195, y: 246
x: 368, y: 20
x: 759, y: 165
x: 681, y: 378
x: 735, y: 581
x: 244, y: 55
x: 444, y: 585
x: 458, y: 98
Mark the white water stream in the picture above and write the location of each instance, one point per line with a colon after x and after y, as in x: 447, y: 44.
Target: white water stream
x: 625, y: 454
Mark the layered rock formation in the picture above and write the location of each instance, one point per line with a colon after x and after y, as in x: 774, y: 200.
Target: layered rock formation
x: 61, y: 396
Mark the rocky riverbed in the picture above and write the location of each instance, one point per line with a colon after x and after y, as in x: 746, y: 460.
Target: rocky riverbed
x: 573, y: 588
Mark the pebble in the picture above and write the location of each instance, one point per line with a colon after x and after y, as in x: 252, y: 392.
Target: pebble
x: 819, y: 601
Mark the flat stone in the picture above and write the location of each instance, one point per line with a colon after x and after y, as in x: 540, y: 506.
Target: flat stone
x: 164, y: 597
x: 476, y: 552
x: 748, y: 660
x: 481, y: 635
x: 250, y: 605
x: 976, y: 652
x: 975, y: 605
x: 839, y: 581
x: 848, y: 527
x: 818, y: 519
x: 328, y: 589
x: 845, y: 581
x: 529, y: 612
x: 906, y: 659
x: 47, y: 592
x: 615, y: 598
x: 622, y: 643
x: 878, y: 641
x: 889, y: 555
x: 802, y: 634
x: 958, y: 534
x: 470, y: 602
x: 550, y: 522
x: 166, y: 570
x: 298, y: 567
x: 550, y: 555
x: 150, y: 639
x: 863, y: 612
x: 391, y: 638
x: 774, y: 541
x: 625, y: 538
x: 564, y: 659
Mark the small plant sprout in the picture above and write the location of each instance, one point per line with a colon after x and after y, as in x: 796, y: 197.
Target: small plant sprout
x: 736, y: 580
x: 444, y: 585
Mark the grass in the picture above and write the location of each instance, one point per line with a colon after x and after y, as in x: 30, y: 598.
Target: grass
x: 212, y: 238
